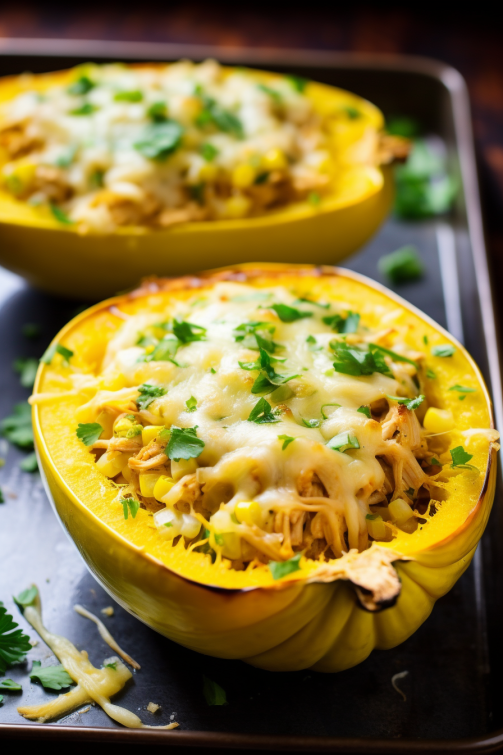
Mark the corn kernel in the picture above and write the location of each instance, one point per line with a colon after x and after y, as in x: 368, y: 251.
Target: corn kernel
x: 208, y: 172
x: 237, y: 207
x: 243, y: 176
x: 400, y: 510
x: 147, y: 483
x: 149, y: 433
x: 114, y: 382
x: 126, y: 473
x: 248, y: 512
x: 180, y: 468
x: 162, y: 487
x: 438, y: 420
x: 274, y: 159
x: 111, y: 467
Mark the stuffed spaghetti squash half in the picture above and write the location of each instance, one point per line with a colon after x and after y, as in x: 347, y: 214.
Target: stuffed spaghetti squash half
x: 283, y: 465
x: 108, y: 173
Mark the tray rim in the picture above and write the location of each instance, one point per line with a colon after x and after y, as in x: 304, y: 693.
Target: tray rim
x: 457, y: 89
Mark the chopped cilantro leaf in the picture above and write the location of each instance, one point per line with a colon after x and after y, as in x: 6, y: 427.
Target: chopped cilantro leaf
x: 187, y: 332
x: 351, y: 112
x: 29, y: 463
x: 462, y: 389
x: 17, y: 427
x: 89, y: 432
x: 431, y: 375
x: 268, y: 378
x: 224, y: 120
x: 289, y: 314
x: 13, y: 644
x: 364, y: 410
x: 148, y: 393
x: 410, y: 403
x: 191, y: 404
x: 83, y: 85
x: 443, y: 350
x: 51, y: 677
x: 262, y: 178
x: 52, y: 350
x: 262, y: 413
x: 213, y: 371
x: 112, y: 665
x: 305, y: 300
x: 248, y: 334
x: 343, y: 442
x: 460, y: 457
x: 2, y: 499
x: 86, y: 109
x: 395, y: 357
x: 314, y: 199
x: 402, y: 266
x: 160, y: 139
x: 280, y: 569
x: 401, y: 125
x: 129, y: 506
x: 271, y: 93
x: 323, y: 414
x: 27, y: 370
x: 26, y: 597
x: 133, y: 96
x: 340, y: 324
x: 60, y: 215
x: 10, y: 684
x: 209, y: 151
x: 423, y: 187
x: 213, y: 692
x: 311, y: 422
x: 435, y: 462
x: 287, y: 439
x: 297, y: 82
x: 165, y: 350
x: 158, y: 112
x: 356, y: 361
x: 184, y: 444
x: 312, y: 344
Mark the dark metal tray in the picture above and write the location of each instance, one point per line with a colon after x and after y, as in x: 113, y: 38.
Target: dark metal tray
x: 455, y: 660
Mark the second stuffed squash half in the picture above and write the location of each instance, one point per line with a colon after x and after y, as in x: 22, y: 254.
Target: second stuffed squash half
x: 283, y: 465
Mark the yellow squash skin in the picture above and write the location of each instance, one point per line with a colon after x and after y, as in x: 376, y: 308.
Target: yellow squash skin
x: 49, y: 255
x: 285, y: 625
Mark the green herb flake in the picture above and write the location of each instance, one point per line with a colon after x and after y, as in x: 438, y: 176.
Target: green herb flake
x: 10, y: 685
x: 402, y: 125
x: 443, y: 350
x: 31, y: 330
x: 13, y: 643
x: 89, y: 432
x: 134, y: 95
x: 365, y: 410
x: 423, y: 186
x: 431, y: 375
x: 26, y: 597
x: 280, y: 569
x: 209, y: 151
x: 66, y: 158
x: 314, y: 199
x: 323, y: 414
x: 213, y: 692
x: 129, y: 506
x: 213, y: 371
x: 160, y: 140
x: 340, y: 324
x: 148, y: 393
x: 191, y: 404
x: 2, y: 498
x: 287, y: 439
x: 86, y: 109
x: 26, y: 367
x: 60, y: 215
x: 297, y: 82
x: 222, y: 119
x: 112, y: 665
x: 52, y: 350
x: 311, y: 422
x: 184, y: 444
x: 262, y: 413
x: 51, y: 677
x: 435, y: 462
x: 352, y: 112
x: 312, y: 344
x: 343, y: 442
x: 187, y: 332
x: 157, y: 112
x: 462, y: 389
x: 289, y: 314
x: 410, y: 403
x: 271, y: 93
x: 29, y: 463
x: 425, y: 340
x: 81, y: 86
x: 403, y: 266
x: 17, y: 427
x: 460, y: 458
x: 268, y: 379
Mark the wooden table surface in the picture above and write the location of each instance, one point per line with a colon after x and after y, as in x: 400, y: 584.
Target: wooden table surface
x: 470, y: 41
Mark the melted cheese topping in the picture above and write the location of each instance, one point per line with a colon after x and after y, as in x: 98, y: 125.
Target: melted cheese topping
x: 302, y: 476
x: 117, y: 146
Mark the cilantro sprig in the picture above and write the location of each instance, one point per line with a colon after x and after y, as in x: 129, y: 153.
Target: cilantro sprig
x: 280, y: 569
x: 129, y: 506
x: 160, y: 139
x: 187, y: 332
x: 343, y: 442
x: 184, y: 444
x: 410, y: 403
x: 51, y: 677
x: 403, y: 266
x: 340, y: 324
x: 213, y: 692
x: 14, y: 644
x: 289, y: 314
x: 89, y: 432
x: 149, y: 393
x: 17, y: 427
x: 287, y: 439
x: 460, y: 459
x: 262, y: 413
x: 268, y: 379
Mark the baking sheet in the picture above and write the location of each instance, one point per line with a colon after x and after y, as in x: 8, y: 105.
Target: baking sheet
x: 451, y: 660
